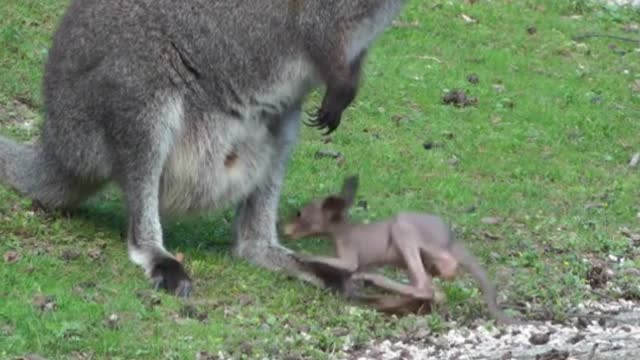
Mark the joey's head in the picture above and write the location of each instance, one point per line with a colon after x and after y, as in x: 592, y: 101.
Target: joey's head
x: 323, y: 215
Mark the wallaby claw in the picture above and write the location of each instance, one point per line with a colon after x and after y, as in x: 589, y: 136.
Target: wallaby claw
x: 184, y: 289
x: 169, y: 274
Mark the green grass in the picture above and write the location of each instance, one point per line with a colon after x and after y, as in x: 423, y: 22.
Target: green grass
x: 557, y: 139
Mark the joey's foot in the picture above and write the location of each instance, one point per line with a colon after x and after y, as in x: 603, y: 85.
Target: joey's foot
x: 169, y: 274
x: 281, y: 259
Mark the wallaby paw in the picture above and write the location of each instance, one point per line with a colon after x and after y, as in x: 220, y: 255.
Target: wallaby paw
x: 327, y: 120
x: 170, y: 275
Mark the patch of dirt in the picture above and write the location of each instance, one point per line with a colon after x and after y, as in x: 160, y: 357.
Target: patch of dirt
x: 44, y: 302
x: 148, y: 298
x: 605, y: 331
x: 6, y: 329
x: 203, y: 355
x: 599, y: 275
x: 82, y: 355
x: 69, y: 255
x: 190, y: 311
x: 31, y: 357
x: 17, y: 113
x: 459, y: 98
x: 623, y: 2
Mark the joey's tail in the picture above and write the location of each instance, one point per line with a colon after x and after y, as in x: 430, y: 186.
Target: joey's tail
x: 27, y: 169
x: 477, y: 271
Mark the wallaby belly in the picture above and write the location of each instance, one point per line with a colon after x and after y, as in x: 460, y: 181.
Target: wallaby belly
x: 214, y: 163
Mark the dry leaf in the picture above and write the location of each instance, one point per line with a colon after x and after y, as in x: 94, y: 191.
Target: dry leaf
x: 491, y: 220
x: 635, y: 159
x: 94, y: 253
x: 468, y: 19
x: 491, y: 236
x: 404, y: 24
x: 631, y: 27
x: 632, y: 236
x: 499, y: 88
x: 112, y: 322
x: 327, y: 154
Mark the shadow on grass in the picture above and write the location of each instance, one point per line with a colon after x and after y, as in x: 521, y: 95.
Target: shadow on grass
x: 205, y: 232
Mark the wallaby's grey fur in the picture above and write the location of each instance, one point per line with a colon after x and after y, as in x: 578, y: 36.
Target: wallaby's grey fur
x: 422, y: 244
x: 190, y: 105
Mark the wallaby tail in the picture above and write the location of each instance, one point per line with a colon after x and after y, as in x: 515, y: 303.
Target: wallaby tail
x: 477, y: 271
x: 30, y: 171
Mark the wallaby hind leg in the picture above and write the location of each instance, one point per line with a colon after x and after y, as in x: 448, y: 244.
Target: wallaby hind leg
x: 141, y: 173
x: 255, y: 233
x: 385, y: 283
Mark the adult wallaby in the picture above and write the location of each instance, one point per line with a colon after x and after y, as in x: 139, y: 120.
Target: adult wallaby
x: 188, y: 106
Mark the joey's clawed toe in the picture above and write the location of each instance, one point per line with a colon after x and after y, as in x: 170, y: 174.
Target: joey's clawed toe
x: 170, y: 275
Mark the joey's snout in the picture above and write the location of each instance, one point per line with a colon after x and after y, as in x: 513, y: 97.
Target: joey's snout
x: 295, y: 230
x: 289, y: 230
x: 310, y: 220
x: 299, y: 226
x: 292, y: 228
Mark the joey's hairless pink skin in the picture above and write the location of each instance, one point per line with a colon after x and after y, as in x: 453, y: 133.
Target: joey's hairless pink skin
x: 422, y: 244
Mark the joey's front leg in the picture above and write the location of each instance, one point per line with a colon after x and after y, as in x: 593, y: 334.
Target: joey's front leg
x: 255, y: 233
x: 342, y: 82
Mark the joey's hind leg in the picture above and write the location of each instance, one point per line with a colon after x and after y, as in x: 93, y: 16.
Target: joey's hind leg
x: 385, y: 283
x: 406, y: 238
x: 255, y: 233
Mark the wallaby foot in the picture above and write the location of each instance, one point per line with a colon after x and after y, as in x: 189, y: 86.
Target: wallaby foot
x: 335, y: 277
x: 280, y: 259
x: 169, y: 274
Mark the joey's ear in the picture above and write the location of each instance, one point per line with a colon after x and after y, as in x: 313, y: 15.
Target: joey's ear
x: 349, y: 189
x: 333, y: 206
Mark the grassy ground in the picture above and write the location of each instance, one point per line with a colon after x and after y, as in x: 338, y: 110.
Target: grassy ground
x: 545, y: 150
